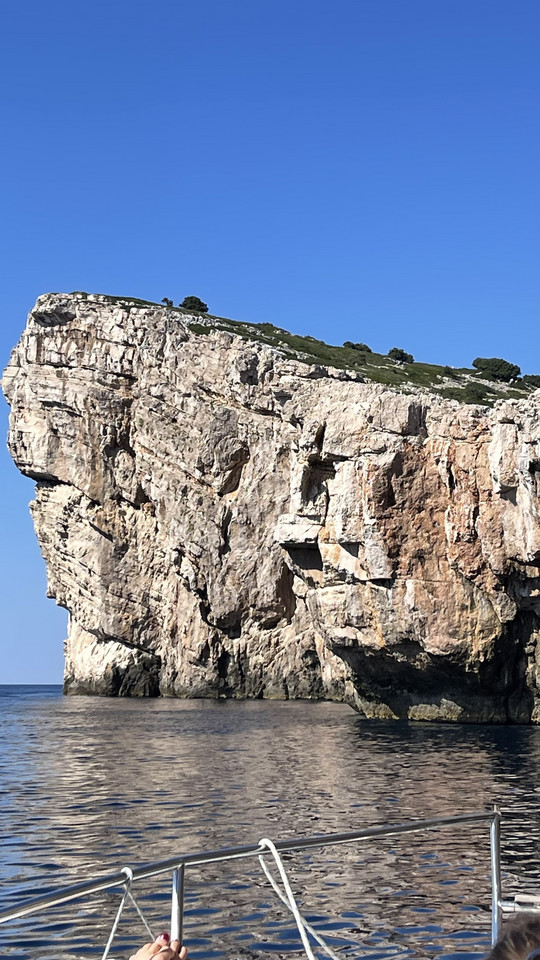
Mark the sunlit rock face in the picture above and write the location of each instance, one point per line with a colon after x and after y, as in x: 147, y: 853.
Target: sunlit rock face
x: 222, y: 521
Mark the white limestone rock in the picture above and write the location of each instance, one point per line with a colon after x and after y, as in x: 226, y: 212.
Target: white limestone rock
x: 220, y: 521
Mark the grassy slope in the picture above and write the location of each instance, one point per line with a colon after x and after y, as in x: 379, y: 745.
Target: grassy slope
x: 465, y: 385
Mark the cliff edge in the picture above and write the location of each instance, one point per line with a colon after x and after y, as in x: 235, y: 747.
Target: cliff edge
x: 220, y: 520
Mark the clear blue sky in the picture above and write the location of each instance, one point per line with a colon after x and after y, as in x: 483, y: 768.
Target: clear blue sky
x: 352, y: 169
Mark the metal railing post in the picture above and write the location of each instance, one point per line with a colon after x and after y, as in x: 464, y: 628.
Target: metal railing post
x: 177, y: 903
x: 495, y: 849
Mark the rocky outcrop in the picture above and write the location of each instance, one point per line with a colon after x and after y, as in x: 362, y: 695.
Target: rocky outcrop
x: 220, y: 520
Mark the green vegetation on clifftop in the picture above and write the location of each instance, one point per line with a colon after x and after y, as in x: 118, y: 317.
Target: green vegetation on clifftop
x: 464, y: 384
x: 395, y: 369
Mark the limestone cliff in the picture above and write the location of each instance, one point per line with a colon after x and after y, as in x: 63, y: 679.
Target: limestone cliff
x: 222, y: 521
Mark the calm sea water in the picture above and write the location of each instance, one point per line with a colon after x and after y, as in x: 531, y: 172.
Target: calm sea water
x: 90, y: 785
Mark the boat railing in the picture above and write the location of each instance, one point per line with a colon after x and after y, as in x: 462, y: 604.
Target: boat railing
x: 179, y: 865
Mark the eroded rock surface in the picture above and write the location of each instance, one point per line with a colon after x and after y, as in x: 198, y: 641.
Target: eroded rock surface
x: 222, y: 521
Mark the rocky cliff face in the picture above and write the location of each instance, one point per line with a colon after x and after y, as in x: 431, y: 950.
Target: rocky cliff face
x: 222, y: 521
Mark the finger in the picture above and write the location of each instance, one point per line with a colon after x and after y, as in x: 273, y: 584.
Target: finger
x: 143, y: 953
x: 159, y: 947
x: 179, y: 953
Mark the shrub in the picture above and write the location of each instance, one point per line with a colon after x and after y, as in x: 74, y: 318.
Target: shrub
x: 193, y: 303
x: 167, y: 302
x: 267, y: 327
x: 449, y: 372
x: 475, y: 393
x: 358, y: 346
x: 496, y: 368
x: 396, y: 353
x: 531, y: 380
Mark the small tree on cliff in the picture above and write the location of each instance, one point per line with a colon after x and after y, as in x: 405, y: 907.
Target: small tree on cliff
x: 363, y: 347
x: 396, y: 353
x: 531, y: 380
x: 193, y: 303
x: 497, y: 368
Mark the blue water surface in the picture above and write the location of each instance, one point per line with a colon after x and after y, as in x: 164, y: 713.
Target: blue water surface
x: 88, y: 785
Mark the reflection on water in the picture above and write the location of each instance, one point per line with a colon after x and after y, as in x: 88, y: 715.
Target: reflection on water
x: 89, y: 785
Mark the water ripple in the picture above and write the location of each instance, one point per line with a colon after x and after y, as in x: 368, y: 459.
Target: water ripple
x: 90, y: 785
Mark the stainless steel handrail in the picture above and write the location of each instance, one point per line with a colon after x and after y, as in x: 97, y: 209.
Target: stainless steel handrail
x: 179, y: 862
x: 495, y: 848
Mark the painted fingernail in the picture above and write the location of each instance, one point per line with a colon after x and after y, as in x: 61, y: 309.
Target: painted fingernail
x: 164, y: 936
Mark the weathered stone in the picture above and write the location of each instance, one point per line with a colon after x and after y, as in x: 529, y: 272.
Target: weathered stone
x: 220, y: 521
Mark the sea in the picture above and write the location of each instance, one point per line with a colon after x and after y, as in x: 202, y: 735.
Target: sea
x: 90, y: 785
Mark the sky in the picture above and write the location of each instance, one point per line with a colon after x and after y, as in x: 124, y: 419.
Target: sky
x: 362, y: 170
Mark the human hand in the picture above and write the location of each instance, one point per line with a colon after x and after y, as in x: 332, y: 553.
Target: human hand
x: 161, y: 948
